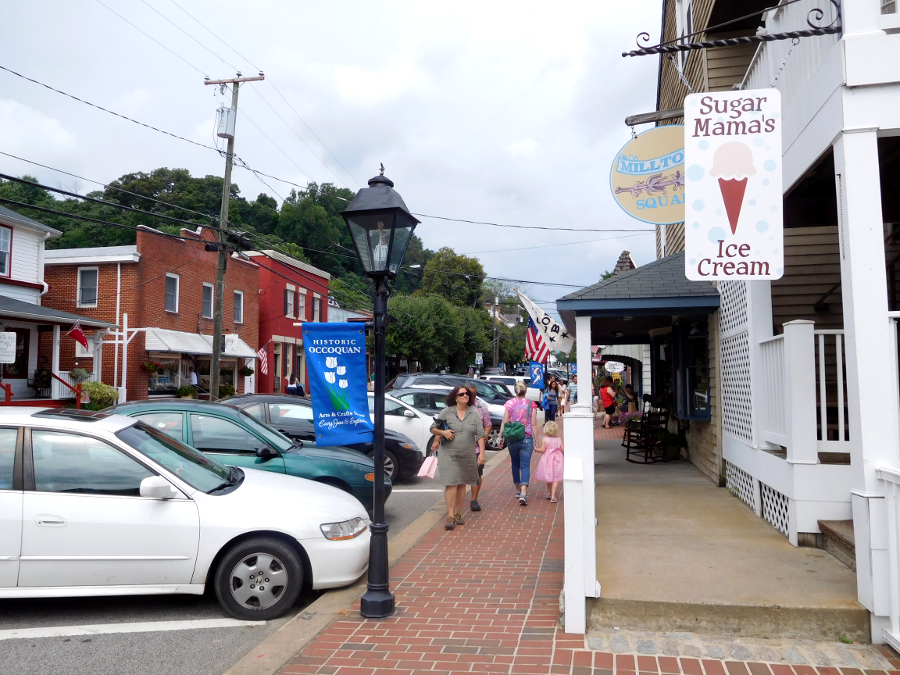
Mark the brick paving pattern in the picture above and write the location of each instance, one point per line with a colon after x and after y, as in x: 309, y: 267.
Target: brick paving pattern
x: 484, y: 598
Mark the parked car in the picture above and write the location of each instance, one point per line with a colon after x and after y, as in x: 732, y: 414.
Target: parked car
x: 404, y: 419
x: 432, y: 401
x: 95, y: 504
x: 492, y: 371
x: 493, y: 393
x: 294, y: 418
x: 508, y: 380
x: 235, y: 438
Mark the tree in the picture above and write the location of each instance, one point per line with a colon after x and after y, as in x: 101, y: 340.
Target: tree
x: 512, y: 343
x: 454, y: 277
x: 476, y: 337
x: 426, y: 329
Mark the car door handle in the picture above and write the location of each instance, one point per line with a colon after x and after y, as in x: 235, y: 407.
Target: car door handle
x: 43, y: 520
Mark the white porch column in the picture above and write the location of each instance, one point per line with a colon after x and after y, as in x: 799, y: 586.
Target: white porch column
x: 580, y: 520
x: 54, y: 364
x: 98, y: 353
x: 800, y: 388
x: 759, y: 327
x: 874, y: 429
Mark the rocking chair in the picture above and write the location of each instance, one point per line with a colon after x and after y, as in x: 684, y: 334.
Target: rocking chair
x: 644, y: 439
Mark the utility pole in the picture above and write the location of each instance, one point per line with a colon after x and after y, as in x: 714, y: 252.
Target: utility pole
x: 496, y: 341
x: 222, y: 249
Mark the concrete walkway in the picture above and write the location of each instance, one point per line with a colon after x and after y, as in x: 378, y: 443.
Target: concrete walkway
x: 676, y: 552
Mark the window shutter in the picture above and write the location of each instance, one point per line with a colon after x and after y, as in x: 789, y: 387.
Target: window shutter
x: 297, y: 304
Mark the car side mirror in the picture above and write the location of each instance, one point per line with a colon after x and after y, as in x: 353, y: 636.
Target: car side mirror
x: 409, y: 413
x: 266, y: 452
x: 157, y: 487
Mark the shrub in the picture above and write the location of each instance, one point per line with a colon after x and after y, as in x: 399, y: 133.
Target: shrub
x: 101, y: 395
x: 226, y: 390
x: 79, y: 375
x: 187, y: 390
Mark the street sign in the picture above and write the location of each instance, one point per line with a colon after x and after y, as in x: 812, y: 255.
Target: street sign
x: 733, y: 212
x: 478, y: 358
x: 7, y: 347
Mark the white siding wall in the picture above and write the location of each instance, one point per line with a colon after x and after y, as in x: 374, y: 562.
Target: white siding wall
x: 26, y: 248
x: 32, y: 295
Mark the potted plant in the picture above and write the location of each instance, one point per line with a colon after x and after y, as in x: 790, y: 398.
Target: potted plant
x: 247, y: 371
x: 226, y: 390
x: 187, y: 391
x: 79, y: 375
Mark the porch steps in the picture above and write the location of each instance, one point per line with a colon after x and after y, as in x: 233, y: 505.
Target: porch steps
x: 839, y: 540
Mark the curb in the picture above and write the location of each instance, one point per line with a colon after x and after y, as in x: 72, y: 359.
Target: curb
x: 273, y: 653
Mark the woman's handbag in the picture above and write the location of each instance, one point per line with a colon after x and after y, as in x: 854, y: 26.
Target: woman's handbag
x: 513, y: 431
x: 429, y: 466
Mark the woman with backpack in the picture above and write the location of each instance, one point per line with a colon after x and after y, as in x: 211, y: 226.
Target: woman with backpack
x: 519, y: 420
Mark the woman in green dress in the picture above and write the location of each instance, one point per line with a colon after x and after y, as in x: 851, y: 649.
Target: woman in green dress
x: 457, y: 464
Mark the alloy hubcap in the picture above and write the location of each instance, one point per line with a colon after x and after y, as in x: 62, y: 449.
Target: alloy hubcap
x: 258, y: 581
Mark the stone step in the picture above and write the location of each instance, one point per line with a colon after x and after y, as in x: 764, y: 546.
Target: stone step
x: 838, y: 540
x: 743, y: 620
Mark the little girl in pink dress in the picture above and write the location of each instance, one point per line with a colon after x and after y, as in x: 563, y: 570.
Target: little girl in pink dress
x: 550, y: 468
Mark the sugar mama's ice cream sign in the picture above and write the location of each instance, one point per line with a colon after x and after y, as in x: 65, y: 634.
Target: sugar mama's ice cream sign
x: 720, y: 174
x: 733, y: 197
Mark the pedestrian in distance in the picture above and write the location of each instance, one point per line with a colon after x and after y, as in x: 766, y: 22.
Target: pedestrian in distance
x: 519, y: 420
x: 563, y: 398
x: 294, y: 387
x: 573, y: 391
x: 456, y: 463
x: 552, y: 400
x: 550, y: 466
x: 608, y: 401
x: 631, y: 399
x: 479, y: 451
x: 192, y: 376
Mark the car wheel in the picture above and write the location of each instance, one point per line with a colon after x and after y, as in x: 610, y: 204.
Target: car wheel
x: 493, y: 439
x: 259, y: 579
x: 391, y: 464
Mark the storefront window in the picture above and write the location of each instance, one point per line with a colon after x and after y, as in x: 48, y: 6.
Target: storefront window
x: 163, y: 382
x: 19, y: 368
x: 692, y: 368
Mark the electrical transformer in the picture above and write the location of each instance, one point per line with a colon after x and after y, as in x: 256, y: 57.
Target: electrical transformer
x: 226, y: 122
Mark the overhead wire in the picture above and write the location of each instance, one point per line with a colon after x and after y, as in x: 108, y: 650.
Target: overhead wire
x: 181, y: 58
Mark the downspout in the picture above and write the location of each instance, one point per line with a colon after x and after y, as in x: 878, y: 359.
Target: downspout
x: 118, y: 325
x: 46, y: 286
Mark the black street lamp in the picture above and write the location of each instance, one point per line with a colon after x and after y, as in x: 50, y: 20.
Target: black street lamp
x: 381, y: 227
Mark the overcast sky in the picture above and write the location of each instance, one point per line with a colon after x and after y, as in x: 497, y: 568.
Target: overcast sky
x: 508, y: 112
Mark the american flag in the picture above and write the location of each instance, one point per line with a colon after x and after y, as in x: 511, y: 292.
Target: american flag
x: 535, y: 347
x: 263, y: 355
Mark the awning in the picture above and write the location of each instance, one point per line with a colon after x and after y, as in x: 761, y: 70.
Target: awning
x: 162, y: 340
x: 26, y: 311
x: 627, y: 306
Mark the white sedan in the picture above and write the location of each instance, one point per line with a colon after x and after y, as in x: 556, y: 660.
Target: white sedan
x: 95, y: 504
x: 404, y: 419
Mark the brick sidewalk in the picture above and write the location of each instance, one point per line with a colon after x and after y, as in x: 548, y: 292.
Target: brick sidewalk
x: 484, y: 598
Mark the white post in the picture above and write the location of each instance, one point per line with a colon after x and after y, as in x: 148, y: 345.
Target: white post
x: 54, y: 364
x: 800, y: 392
x: 574, y: 591
x: 123, y: 390
x: 580, y: 438
x: 874, y: 429
x: 98, y: 354
x: 759, y: 327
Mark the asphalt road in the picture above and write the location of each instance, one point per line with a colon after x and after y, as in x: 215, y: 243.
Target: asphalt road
x: 177, y: 647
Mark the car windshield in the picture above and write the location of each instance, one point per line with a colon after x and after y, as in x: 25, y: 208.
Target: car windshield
x: 278, y: 440
x: 191, y: 466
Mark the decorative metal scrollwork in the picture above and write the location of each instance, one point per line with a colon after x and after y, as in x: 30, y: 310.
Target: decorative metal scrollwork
x: 642, y: 37
x: 817, y: 14
x: 678, y: 45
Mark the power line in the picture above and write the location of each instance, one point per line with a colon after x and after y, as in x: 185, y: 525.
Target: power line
x: 188, y: 34
x: 44, y: 209
x: 277, y: 90
x: 528, y: 227
x: 152, y: 38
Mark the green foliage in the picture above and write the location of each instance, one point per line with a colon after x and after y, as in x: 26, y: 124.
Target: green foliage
x: 457, y: 278
x: 425, y: 330
x: 186, y: 390
x: 79, y: 374
x: 101, y: 395
x: 512, y: 343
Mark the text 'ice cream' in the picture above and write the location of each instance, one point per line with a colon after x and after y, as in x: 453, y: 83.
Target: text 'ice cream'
x: 733, y: 162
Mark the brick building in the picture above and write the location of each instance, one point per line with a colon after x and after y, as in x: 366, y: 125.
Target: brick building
x: 165, y: 288
x: 291, y: 292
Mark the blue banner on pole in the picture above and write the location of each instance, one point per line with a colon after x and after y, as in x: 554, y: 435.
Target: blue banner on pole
x: 573, y: 369
x: 336, y: 366
x: 537, y: 375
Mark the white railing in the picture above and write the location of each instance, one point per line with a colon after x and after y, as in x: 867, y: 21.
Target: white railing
x: 775, y: 409
x: 831, y: 390
x: 891, y: 478
x: 805, y: 57
x: 57, y: 390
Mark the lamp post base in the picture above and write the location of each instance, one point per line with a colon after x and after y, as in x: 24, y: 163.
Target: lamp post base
x: 377, y: 604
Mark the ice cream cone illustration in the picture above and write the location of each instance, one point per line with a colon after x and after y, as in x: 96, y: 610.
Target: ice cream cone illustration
x: 733, y: 163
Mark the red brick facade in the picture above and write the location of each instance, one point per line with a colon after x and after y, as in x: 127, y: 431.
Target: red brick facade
x: 143, y: 298
x: 276, y: 326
